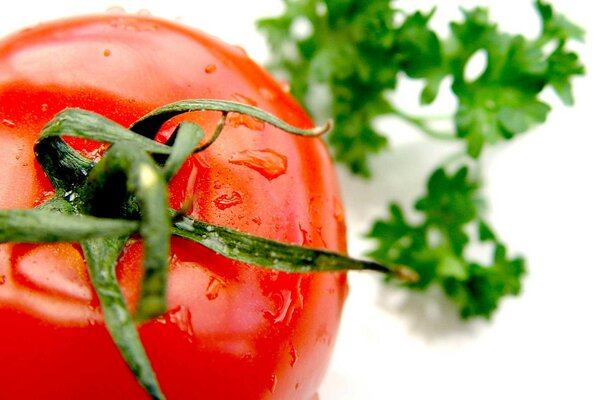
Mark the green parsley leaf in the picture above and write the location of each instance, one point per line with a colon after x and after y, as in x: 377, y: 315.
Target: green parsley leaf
x: 352, y: 54
x: 436, y: 247
x: 356, y: 52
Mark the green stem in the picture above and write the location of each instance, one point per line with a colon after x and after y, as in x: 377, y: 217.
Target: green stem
x: 154, y: 120
x: 100, y: 204
x: 41, y: 226
x: 101, y: 256
x: 272, y: 254
x: 422, y: 125
x: 66, y: 168
x: 145, y: 181
x: 85, y: 124
x: 216, y: 133
x: 187, y: 136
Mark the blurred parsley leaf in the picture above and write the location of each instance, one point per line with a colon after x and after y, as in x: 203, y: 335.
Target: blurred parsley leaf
x: 436, y: 248
x: 344, y: 57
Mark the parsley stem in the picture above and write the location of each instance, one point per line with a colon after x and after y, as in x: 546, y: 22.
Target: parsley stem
x: 421, y: 123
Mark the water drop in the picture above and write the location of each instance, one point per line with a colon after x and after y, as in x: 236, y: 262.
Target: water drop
x: 266, y: 162
x: 285, y: 86
x: 134, y: 25
x: 242, y: 98
x: 228, y: 200
x: 323, y: 336
x: 106, y: 53
x: 272, y: 383
x: 240, y: 50
x: 283, y: 307
x: 210, y: 68
x: 267, y: 94
x: 181, y: 318
x: 116, y: 10
x: 44, y: 107
x: 8, y: 123
x: 338, y: 211
x: 2, y: 279
x: 293, y: 355
x: 213, y: 287
x: 249, y: 122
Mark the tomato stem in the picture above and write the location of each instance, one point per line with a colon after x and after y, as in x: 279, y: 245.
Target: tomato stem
x: 146, y: 182
x: 101, y: 204
x: 101, y: 256
x: 152, y: 121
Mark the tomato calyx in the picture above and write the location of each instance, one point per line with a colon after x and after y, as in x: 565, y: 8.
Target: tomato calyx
x: 100, y: 204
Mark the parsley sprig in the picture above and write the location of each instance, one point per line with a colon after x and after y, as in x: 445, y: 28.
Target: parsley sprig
x: 344, y: 58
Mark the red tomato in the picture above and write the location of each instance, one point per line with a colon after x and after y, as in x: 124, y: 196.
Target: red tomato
x: 234, y: 331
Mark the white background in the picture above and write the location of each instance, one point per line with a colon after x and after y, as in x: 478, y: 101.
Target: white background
x: 544, y: 204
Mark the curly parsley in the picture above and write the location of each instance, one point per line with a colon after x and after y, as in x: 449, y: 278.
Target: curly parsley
x: 352, y: 54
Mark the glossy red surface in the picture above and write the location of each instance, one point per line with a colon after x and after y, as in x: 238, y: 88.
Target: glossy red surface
x: 233, y: 331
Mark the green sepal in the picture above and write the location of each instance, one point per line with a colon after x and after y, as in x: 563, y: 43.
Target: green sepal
x: 152, y: 121
x: 101, y: 256
x: 145, y: 181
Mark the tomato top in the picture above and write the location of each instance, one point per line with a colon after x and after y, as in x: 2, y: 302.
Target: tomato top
x: 233, y: 330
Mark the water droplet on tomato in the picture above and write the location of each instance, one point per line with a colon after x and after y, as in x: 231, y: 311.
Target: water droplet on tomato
x: 134, y: 25
x: 266, y: 162
x: 272, y: 383
x: 285, y: 86
x: 240, y: 50
x: 46, y: 195
x: 267, y: 94
x: 8, y: 123
x: 116, y: 10
x: 241, y: 98
x: 106, y: 53
x: 213, y: 287
x: 228, y: 200
x: 293, y: 355
x: 283, y: 307
x: 235, y: 120
x: 324, y: 336
x: 210, y: 68
x: 2, y: 279
x: 181, y: 318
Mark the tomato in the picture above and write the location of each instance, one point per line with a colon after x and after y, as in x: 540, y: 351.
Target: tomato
x: 233, y: 331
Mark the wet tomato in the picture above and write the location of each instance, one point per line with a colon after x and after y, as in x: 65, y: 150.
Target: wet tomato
x: 233, y: 331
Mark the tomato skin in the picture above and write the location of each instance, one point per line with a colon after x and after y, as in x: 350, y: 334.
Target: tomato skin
x: 233, y: 331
